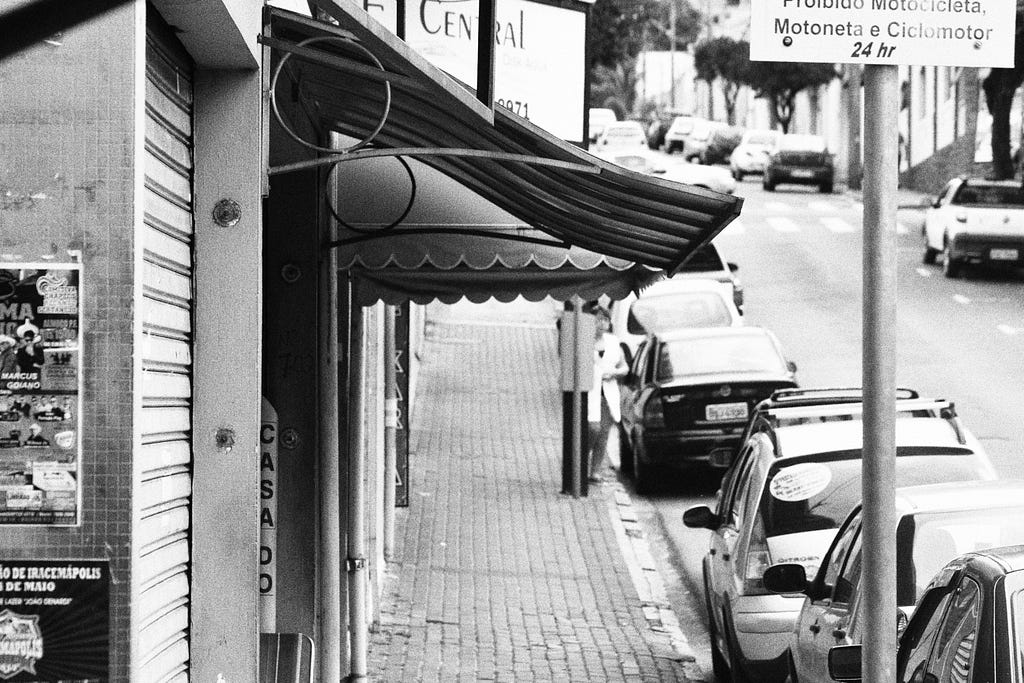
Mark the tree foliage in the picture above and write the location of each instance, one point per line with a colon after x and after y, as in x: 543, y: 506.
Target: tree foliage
x: 999, y: 87
x: 727, y: 61
x: 615, y: 88
x: 781, y: 82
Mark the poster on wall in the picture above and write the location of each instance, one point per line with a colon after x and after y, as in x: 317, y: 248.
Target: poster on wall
x: 54, y: 621
x: 40, y: 420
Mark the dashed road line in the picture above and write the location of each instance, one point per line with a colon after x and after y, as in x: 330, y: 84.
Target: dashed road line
x: 923, y: 272
x: 1008, y: 330
x: 782, y: 224
x: 961, y: 299
x: 836, y: 224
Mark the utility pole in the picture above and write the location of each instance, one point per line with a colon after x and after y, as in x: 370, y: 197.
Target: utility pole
x: 672, y: 53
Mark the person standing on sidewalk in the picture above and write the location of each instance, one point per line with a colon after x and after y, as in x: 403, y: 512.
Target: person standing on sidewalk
x: 603, y: 409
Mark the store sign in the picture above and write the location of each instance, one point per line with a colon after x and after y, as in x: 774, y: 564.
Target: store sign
x: 920, y: 32
x: 40, y: 390
x: 55, y: 621
x: 268, y: 518
x: 538, y: 58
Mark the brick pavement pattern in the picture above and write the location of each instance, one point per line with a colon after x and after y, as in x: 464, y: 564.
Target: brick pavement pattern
x: 498, y: 576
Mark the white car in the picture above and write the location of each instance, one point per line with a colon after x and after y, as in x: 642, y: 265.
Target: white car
x: 696, y: 143
x: 975, y: 221
x: 598, y: 118
x: 639, y: 160
x: 622, y: 135
x: 670, y: 304
x: 678, y: 131
x: 751, y: 155
x: 795, y: 479
x: 935, y: 524
x: 710, y: 177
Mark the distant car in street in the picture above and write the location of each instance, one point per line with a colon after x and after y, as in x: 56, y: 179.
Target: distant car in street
x: 800, y: 160
x: 673, y: 303
x: 689, y: 392
x: 975, y: 221
x: 695, y: 144
x: 710, y: 177
x: 968, y: 627
x: 675, y: 136
x: 639, y: 160
x: 751, y: 154
x: 721, y: 144
x: 598, y: 118
x: 935, y: 524
x: 795, y: 480
x: 708, y: 262
x: 622, y: 135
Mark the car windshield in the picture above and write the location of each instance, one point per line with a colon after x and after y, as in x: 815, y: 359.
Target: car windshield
x: 990, y: 194
x: 760, y: 139
x: 802, y: 143
x: 718, y: 354
x: 925, y: 542
x: 685, y: 309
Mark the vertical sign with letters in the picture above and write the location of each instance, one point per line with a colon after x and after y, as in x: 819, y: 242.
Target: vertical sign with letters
x: 268, y: 519
x: 402, y: 380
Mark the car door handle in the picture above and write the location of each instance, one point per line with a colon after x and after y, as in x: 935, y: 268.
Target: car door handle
x: 839, y: 633
x: 814, y: 628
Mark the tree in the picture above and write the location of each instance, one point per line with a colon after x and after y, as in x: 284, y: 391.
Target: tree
x: 1000, y: 86
x: 621, y: 29
x: 726, y: 60
x: 781, y: 82
x: 615, y: 88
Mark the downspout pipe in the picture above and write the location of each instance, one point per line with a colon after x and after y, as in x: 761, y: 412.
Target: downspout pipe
x: 356, y: 564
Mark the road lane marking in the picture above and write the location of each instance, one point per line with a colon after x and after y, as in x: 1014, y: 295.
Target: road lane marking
x: 820, y: 206
x: 778, y: 206
x: 1006, y: 329
x: 923, y: 272
x: 961, y: 299
x: 782, y: 224
x: 836, y: 224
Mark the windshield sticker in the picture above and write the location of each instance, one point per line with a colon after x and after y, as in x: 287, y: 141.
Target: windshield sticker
x: 800, y: 482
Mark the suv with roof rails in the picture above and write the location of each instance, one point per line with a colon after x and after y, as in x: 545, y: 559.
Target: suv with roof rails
x: 796, y: 478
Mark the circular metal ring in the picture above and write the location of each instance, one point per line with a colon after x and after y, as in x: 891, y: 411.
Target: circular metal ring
x: 368, y: 231
x: 292, y: 134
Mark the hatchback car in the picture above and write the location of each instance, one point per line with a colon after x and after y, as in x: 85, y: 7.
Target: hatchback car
x: 622, y: 135
x: 799, y: 159
x: 751, y: 154
x: 675, y: 136
x: 935, y: 524
x: 707, y: 262
x: 968, y: 627
x: 797, y: 476
x: 975, y: 221
x: 689, y: 392
x: 673, y: 303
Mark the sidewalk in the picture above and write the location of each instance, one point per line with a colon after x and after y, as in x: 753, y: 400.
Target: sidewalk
x: 498, y: 576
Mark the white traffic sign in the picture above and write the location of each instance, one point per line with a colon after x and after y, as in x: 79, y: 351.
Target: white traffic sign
x: 919, y: 32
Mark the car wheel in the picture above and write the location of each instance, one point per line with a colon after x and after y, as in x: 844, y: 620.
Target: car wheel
x: 929, y: 252
x: 643, y: 472
x: 826, y: 188
x: 736, y: 672
x: 625, y: 453
x: 738, y: 175
x: 719, y: 666
x: 950, y: 266
x: 768, y: 184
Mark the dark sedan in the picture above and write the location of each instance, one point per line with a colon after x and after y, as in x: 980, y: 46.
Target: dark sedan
x: 799, y: 159
x: 968, y: 627
x: 689, y: 393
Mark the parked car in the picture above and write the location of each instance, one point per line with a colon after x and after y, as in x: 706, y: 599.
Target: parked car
x: 696, y: 143
x: 797, y: 476
x: 751, y: 154
x: 968, y: 627
x: 689, y: 393
x: 935, y: 524
x: 709, y: 177
x: 673, y: 303
x: 721, y: 144
x: 598, y: 118
x: 975, y: 221
x: 657, y: 128
x: 675, y: 136
x: 639, y: 160
x: 622, y: 135
x: 707, y: 262
x: 799, y: 159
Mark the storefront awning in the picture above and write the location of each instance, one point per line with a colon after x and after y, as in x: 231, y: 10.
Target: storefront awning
x: 553, y: 187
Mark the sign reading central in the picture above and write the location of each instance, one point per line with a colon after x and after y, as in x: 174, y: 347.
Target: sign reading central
x: 921, y: 32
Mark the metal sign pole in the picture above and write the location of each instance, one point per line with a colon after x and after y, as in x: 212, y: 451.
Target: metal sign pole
x: 881, y: 102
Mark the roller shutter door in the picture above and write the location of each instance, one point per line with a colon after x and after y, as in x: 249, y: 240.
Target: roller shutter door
x: 163, y: 465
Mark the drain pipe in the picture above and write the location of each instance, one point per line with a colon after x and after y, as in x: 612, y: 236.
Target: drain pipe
x: 390, y: 431
x: 356, y: 542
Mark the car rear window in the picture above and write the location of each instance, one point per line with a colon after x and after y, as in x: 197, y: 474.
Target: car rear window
x: 761, y: 139
x: 717, y: 354
x: 925, y: 542
x: 690, y: 309
x: 990, y: 194
x: 704, y: 259
x: 812, y: 493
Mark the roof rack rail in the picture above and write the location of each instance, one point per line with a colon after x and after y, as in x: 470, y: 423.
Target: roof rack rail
x: 826, y: 395
x: 829, y: 411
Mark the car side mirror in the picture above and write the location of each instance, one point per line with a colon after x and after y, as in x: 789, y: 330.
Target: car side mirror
x: 786, y: 578
x: 844, y: 663
x: 733, y: 267
x: 701, y: 517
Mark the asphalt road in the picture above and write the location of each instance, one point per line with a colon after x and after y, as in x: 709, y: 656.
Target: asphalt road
x: 799, y: 254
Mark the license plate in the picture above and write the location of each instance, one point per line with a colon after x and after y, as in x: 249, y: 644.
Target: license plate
x: 720, y: 412
x: 1003, y: 254
x: 802, y: 173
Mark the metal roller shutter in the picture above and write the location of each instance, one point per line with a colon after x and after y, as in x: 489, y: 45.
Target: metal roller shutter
x: 160, y: 588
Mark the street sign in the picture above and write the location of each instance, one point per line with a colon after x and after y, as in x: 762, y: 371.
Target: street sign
x: 919, y: 32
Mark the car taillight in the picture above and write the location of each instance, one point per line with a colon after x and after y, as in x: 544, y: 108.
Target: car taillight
x: 759, y: 558
x: 654, y: 413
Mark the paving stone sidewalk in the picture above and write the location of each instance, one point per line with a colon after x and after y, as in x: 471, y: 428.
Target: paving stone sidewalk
x: 498, y: 576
